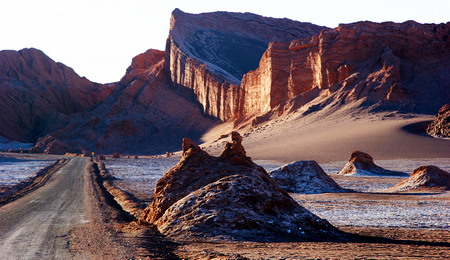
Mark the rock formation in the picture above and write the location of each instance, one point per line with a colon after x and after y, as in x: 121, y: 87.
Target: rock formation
x: 440, y: 127
x: 38, y: 94
x: 49, y: 145
x: 386, y: 65
x: 361, y: 163
x: 228, y: 197
x: 424, y: 177
x: 206, y: 59
x: 225, y: 66
x: 381, y: 65
x: 304, y: 177
x: 141, y: 115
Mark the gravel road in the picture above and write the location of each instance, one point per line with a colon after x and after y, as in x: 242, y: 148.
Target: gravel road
x: 36, y: 226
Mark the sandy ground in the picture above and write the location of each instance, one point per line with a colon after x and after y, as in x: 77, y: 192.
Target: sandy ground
x: 392, y: 226
x: 327, y: 139
x: 399, y: 226
x: 406, y: 244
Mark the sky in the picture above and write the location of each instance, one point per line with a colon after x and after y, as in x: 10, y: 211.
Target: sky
x: 99, y: 38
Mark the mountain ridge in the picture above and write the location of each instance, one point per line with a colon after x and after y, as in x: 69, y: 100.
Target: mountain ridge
x: 167, y: 95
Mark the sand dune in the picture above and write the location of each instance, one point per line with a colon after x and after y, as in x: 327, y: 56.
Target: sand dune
x: 333, y: 138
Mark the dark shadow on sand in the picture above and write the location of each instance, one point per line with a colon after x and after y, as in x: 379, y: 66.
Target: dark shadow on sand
x: 418, y: 128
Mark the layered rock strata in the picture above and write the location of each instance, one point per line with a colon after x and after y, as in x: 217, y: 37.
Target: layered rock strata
x: 440, y: 127
x: 387, y: 64
x: 228, y: 197
x: 305, y: 177
x: 361, y: 163
x: 207, y: 59
x: 142, y: 115
x: 384, y: 65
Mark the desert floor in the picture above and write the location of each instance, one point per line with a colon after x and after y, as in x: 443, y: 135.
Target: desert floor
x: 386, y: 225
x: 385, y: 136
x: 392, y: 226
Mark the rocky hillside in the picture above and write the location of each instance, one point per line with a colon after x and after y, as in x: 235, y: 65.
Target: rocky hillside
x: 138, y: 114
x: 142, y: 114
x: 222, y: 67
x: 392, y: 66
x: 208, y: 54
x: 383, y: 66
x: 37, y: 93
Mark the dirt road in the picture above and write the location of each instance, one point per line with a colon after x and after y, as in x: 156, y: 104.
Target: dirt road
x: 36, y: 226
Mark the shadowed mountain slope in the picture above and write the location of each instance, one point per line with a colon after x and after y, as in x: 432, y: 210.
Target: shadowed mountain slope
x: 36, y: 93
x: 229, y: 67
x: 142, y: 115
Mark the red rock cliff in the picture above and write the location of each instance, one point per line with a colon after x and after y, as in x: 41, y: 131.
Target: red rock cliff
x: 192, y: 78
x: 206, y: 59
x: 142, y: 114
x: 403, y: 63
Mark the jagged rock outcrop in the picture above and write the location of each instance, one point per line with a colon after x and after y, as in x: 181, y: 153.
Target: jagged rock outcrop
x: 383, y: 65
x: 440, y: 127
x: 206, y: 58
x: 37, y: 94
x: 142, y: 115
x: 50, y: 145
x: 40, y: 97
x: 361, y: 163
x: 305, y: 177
x: 228, y: 197
x: 390, y: 65
x: 424, y: 177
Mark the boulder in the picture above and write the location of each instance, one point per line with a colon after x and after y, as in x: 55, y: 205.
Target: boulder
x: 225, y: 198
x: 440, y: 127
x: 305, y: 177
x: 424, y: 177
x: 50, y: 145
x: 116, y: 155
x: 57, y: 147
x: 361, y: 163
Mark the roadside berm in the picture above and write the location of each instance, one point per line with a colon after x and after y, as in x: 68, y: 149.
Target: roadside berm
x: 229, y: 198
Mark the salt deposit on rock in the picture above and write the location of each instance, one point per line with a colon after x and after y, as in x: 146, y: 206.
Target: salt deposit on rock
x: 228, y: 197
x: 304, y: 177
x: 424, y: 177
x: 361, y: 163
